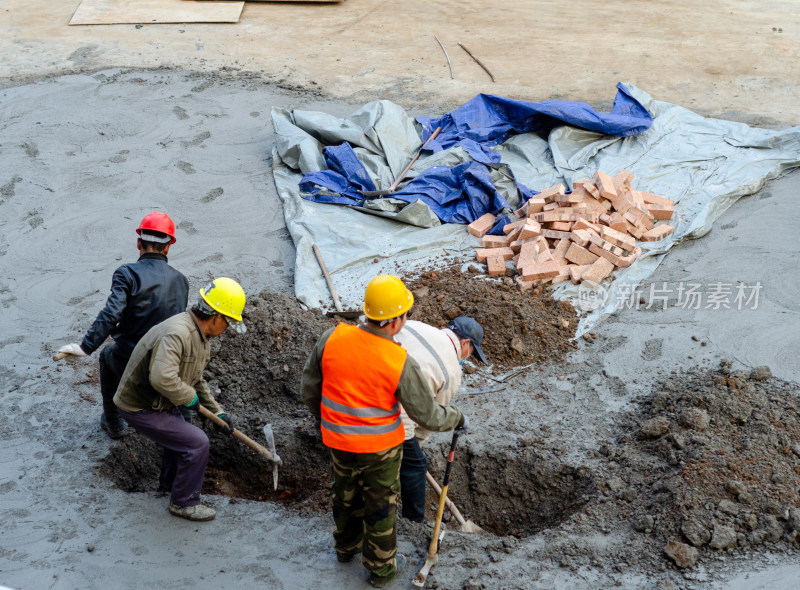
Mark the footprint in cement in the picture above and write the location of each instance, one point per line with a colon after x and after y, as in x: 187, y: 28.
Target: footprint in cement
x: 255, y: 114
x: 203, y: 86
x: 34, y: 219
x: 213, y: 194
x: 213, y: 258
x: 652, y: 349
x: 119, y: 158
x: 180, y: 113
x: 197, y: 140
x: 83, y: 54
x: 185, y: 167
x: 730, y: 225
x: 7, y: 190
x: 187, y: 226
x: 30, y: 150
x: 613, y: 343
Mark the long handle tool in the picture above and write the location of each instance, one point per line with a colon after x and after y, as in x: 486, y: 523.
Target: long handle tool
x: 467, y: 526
x: 402, y: 175
x: 433, y: 550
x: 271, y: 456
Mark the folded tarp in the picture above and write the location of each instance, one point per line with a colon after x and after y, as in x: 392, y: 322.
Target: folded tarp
x: 462, y: 193
x: 703, y: 164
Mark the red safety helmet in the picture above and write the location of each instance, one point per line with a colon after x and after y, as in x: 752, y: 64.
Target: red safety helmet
x: 159, y: 222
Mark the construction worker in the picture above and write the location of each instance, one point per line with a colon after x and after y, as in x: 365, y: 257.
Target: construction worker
x: 165, y: 373
x: 143, y: 294
x: 440, y: 355
x: 354, y: 381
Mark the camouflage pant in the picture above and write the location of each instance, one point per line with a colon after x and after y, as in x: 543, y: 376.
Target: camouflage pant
x: 364, y: 493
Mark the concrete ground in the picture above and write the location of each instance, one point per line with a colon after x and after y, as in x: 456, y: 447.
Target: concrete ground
x: 177, y: 117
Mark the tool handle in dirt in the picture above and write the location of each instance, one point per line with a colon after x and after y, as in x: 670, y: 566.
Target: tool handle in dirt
x: 328, y: 278
x: 203, y: 411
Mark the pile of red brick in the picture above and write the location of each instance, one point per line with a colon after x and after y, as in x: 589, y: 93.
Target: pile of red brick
x: 582, y: 236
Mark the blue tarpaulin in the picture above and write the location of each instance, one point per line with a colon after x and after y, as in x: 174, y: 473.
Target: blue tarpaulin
x: 464, y: 192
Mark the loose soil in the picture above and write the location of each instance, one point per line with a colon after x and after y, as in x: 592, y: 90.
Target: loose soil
x: 520, y: 327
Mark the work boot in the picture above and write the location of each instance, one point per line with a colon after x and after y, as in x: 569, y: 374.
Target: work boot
x: 346, y: 557
x: 381, y: 581
x: 116, y: 428
x: 197, y: 513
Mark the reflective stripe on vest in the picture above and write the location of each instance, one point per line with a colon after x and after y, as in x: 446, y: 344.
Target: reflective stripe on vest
x: 360, y: 374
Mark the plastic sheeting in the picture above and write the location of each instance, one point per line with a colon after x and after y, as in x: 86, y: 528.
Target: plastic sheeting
x: 702, y: 164
x: 462, y: 193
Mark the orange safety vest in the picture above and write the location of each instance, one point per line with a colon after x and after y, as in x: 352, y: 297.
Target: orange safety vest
x: 360, y: 374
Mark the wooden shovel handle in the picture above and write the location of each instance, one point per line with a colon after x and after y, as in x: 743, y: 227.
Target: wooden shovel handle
x: 450, y: 506
x: 237, y: 433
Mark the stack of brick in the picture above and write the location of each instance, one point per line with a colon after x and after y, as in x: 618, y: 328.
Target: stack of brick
x: 580, y: 236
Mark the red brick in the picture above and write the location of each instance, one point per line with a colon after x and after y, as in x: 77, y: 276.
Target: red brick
x: 652, y: 199
x: 605, y: 185
x: 623, y: 240
x: 560, y: 225
x: 525, y: 285
x: 535, y: 205
x: 550, y: 193
x: 622, y: 178
x: 586, y: 224
x: 496, y: 266
x: 530, y: 230
x: 555, y: 235
x: 580, y: 236
x: 516, y: 245
x: 545, y: 270
x: 509, y: 227
x: 599, y: 270
x: 607, y: 246
x: 527, y: 255
x: 589, y: 186
x: 623, y: 201
x: 617, y: 222
x: 480, y: 226
x: 560, y: 251
x: 621, y: 261
x: 580, y: 255
x: 659, y: 212
x: 576, y: 270
x: 658, y: 233
x: 482, y: 253
x: 494, y: 241
x: 638, y: 218
x: 563, y: 275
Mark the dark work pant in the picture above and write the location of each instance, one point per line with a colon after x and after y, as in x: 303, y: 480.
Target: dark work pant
x: 185, y: 447
x: 412, y: 480
x: 112, y: 365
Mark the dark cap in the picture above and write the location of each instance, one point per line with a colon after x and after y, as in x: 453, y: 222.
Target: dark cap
x: 466, y: 327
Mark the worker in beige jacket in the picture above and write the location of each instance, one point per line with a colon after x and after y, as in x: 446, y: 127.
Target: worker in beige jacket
x: 164, y: 375
x: 440, y: 354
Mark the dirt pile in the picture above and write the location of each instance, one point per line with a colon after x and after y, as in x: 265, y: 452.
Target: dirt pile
x: 710, y: 465
x: 520, y: 327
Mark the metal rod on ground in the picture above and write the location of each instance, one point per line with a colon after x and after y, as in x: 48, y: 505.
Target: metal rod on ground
x: 449, y: 65
x: 485, y: 69
x: 467, y: 526
x: 327, y: 276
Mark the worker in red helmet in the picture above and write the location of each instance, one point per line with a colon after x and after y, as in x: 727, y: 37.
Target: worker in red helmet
x: 143, y: 293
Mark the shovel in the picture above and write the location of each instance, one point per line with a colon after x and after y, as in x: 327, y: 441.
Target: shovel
x: 467, y: 526
x: 433, y: 550
x: 270, y: 455
x: 402, y: 175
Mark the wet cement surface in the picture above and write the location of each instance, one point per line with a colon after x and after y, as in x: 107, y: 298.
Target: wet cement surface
x: 84, y: 157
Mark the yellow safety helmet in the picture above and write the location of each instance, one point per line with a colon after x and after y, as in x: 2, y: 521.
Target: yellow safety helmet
x: 225, y: 296
x: 386, y: 297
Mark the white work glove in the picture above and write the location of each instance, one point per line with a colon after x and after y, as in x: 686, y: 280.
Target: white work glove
x: 73, y: 349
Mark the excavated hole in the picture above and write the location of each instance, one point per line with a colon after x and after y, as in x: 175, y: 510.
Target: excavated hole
x: 506, y: 491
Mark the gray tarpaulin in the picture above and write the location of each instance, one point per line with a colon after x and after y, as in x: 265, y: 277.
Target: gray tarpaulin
x: 703, y: 164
